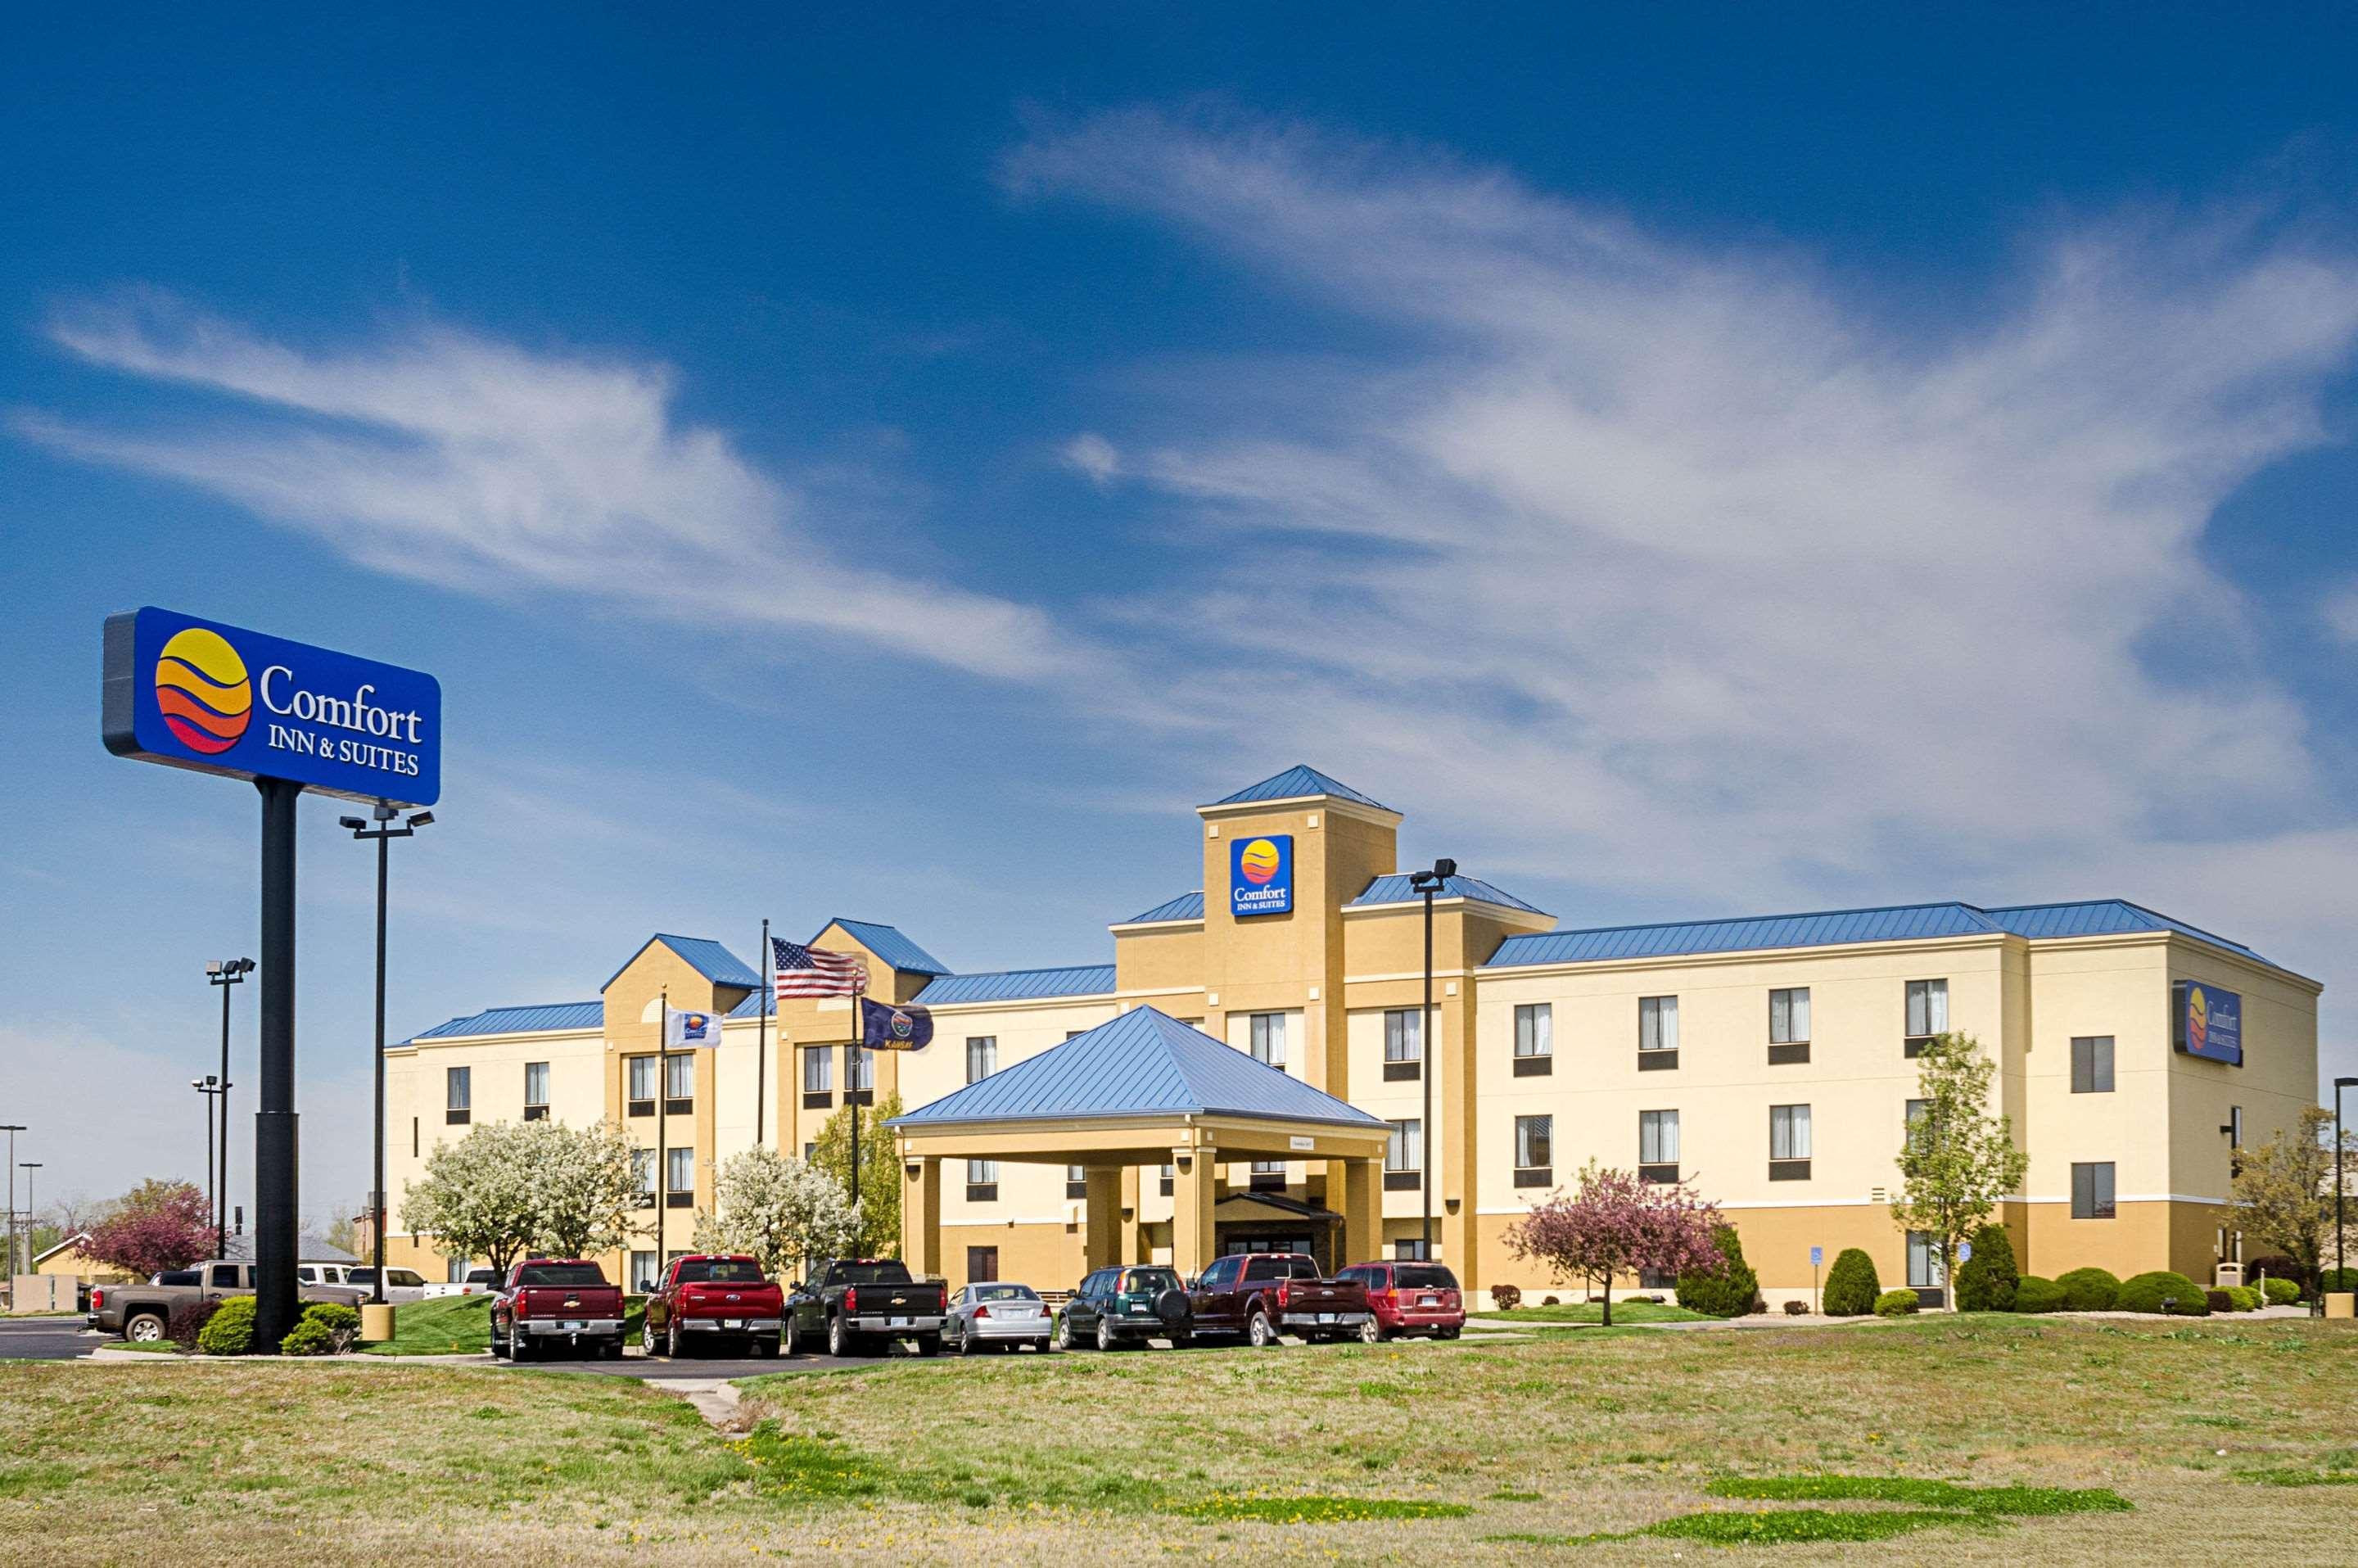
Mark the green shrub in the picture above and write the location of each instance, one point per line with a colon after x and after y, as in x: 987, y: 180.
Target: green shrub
x: 2281, y: 1292
x: 1505, y: 1298
x: 334, y: 1316
x: 1852, y: 1284
x: 2146, y: 1292
x: 1896, y: 1304
x: 308, y: 1338
x: 326, y: 1328
x: 2089, y: 1290
x: 1731, y: 1290
x: 2277, y: 1266
x: 1985, y: 1280
x: 230, y: 1331
x: 2032, y: 1293
x: 2337, y: 1278
x: 2244, y: 1298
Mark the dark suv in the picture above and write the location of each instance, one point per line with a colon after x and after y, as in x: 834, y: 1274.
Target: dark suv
x: 1409, y: 1299
x: 1130, y: 1305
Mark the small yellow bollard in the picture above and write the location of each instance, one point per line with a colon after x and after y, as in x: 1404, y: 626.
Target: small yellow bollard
x: 377, y: 1321
x: 2341, y: 1304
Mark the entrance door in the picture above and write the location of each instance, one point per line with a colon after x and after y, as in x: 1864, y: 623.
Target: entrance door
x: 982, y: 1265
x: 1925, y: 1275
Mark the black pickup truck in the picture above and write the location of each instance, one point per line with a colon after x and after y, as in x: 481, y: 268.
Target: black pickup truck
x: 858, y: 1305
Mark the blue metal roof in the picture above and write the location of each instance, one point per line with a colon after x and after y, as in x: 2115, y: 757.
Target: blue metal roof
x: 703, y: 955
x: 1295, y: 782
x: 758, y: 1003
x: 1017, y: 985
x: 2101, y: 917
x: 1187, y: 906
x: 1396, y: 888
x: 521, y: 1020
x: 887, y: 943
x: 1899, y: 922
x: 1144, y: 1063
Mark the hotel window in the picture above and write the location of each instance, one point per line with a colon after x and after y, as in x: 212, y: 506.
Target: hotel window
x: 1788, y: 1026
x: 643, y: 1177
x: 1410, y: 1252
x: 1268, y: 1039
x: 459, y: 1094
x: 818, y: 1078
x: 1658, y: 1146
x: 1789, y: 1143
x: 1927, y: 1014
x: 1657, y: 1032
x: 1534, y: 1039
x: 981, y: 1056
x: 982, y: 1181
x: 2235, y: 1127
x: 1925, y: 1270
x: 1266, y: 1176
x: 679, y: 1083
x: 1535, y: 1150
x: 859, y: 1075
x: 1165, y: 1179
x: 643, y: 1271
x: 810, y: 1153
x: 535, y: 1091
x: 1403, y: 1043
x: 2091, y: 1190
x: 642, y: 1095
x: 1077, y: 1181
x: 1404, y: 1156
x: 679, y: 1178
x: 2092, y: 1064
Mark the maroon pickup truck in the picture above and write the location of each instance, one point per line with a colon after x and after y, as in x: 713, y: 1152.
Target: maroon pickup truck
x: 1260, y: 1295
x: 549, y: 1303
x: 713, y: 1299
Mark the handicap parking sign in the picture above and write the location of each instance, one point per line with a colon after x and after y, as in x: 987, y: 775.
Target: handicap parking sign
x: 1817, y: 1256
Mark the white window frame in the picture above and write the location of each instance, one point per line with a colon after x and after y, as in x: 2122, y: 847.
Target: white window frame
x: 1526, y: 1127
x: 458, y: 1088
x: 1405, y: 1151
x: 818, y: 1072
x: 1535, y: 1029
x: 640, y: 1075
x: 1403, y: 1034
x: 1789, y: 1125
x: 535, y: 1070
x: 981, y: 1051
x: 1657, y: 1023
x: 1789, y: 1015
x: 1932, y: 1015
x: 1265, y: 1031
x: 1662, y: 1126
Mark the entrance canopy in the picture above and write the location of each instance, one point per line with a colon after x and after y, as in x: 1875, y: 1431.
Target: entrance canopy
x: 1143, y: 1089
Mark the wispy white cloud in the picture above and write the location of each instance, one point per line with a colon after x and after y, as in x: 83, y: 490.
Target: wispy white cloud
x: 1093, y: 455
x: 1683, y: 574
x: 2341, y: 612
x: 477, y: 465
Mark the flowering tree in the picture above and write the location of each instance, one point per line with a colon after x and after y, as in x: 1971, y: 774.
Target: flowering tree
x: 1959, y: 1160
x: 479, y: 1197
x: 778, y: 1211
x: 2283, y: 1189
x: 1611, y: 1223
x: 153, y: 1227
x: 584, y: 1192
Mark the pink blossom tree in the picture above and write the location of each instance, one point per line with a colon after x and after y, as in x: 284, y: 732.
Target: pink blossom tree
x: 1611, y: 1223
x: 156, y: 1226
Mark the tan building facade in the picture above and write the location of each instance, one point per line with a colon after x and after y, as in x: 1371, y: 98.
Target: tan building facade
x: 1767, y: 1061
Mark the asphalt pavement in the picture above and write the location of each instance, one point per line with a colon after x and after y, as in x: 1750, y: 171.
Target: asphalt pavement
x: 45, y: 1339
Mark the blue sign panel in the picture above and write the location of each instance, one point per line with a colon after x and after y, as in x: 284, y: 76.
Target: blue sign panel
x: 218, y: 699
x: 2207, y: 1022
x: 1260, y: 874
x: 1817, y: 1256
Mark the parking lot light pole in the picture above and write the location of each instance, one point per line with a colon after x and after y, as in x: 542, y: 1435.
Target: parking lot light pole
x: 383, y: 833
x: 209, y: 1085
x: 1428, y: 883
x: 28, y: 1167
x: 12, y: 1129
x: 224, y: 973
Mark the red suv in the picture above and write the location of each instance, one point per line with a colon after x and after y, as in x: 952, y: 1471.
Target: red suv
x: 1409, y: 1298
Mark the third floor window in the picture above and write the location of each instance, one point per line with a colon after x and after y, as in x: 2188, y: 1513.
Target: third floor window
x: 1268, y: 1039
x: 982, y: 1059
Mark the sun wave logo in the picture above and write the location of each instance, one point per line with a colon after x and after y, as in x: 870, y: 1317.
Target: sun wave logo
x: 2198, y: 1018
x: 1258, y: 862
x: 203, y: 691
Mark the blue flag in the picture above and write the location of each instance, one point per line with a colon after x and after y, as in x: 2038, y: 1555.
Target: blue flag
x: 883, y: 1027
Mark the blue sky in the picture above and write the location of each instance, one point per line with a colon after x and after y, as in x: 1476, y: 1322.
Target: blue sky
x: 1692, y: 463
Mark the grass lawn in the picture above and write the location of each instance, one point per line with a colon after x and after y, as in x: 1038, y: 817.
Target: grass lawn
x: 1991, y: 1440
x: 1593, y: 1311
x: 460, y: 1326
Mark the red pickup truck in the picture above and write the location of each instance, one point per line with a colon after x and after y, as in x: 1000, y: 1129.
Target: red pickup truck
x: 1262, y: 1294
x: 713, y: 1299
x: 551, y: 1302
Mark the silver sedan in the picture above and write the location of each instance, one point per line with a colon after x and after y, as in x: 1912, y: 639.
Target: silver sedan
x: 997, y: 1316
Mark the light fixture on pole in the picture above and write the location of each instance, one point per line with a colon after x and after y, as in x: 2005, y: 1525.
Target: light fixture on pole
x: 12, y: 1129
x: 1428, y: 883
x: 224, y: 973
x: 209, y: 1085
x: 2340, y: 1229
x: 382, y: 834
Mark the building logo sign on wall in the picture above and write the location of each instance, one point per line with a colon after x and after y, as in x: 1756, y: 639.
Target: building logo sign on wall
x: 1260, y: 875
x: 218, y: 699
x: 2207, y: 1022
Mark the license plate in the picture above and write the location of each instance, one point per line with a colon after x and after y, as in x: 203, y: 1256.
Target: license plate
x: 1326, y: 1317
x: 732, y: 1322
x: 1428, y: 1301
x: 577, y: 1326
x: 897, y: 1323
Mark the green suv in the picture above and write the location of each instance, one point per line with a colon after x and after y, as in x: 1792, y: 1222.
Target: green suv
x: 1131, y: 1305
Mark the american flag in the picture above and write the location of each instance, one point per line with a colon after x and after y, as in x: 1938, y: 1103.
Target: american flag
x: 814, y: 971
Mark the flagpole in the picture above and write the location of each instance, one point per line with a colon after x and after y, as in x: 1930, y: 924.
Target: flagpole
x: 663, y: 1070
x: 858, y: 1035
x: 762, y: 1036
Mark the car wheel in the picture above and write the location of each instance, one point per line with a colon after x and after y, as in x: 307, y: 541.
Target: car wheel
x: 838, y: 1338
x: 1181, y: 1340
x: 520, y: 1348
x: 647, y: 1336
x: 1106, y: 1340
x: 1447, y: 1333
x: 499, y: 1348
x: 1041, y: 1346
x: 929, y: 1344
x: 790, y: 1342
x: 1065, y: 1340
x: 145, y: 1328
x: 671, y: 1339
x: 761, y: 1345
x: 966, y: 1342
x: 1260, y: 1333
x: 1372, y: 1333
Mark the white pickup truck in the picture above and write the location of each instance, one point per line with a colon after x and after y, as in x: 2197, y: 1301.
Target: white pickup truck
x: 480, y: 1281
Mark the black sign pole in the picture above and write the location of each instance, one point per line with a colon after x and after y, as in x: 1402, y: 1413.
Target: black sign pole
x: 275, y: 1193
x: 762, y: 1034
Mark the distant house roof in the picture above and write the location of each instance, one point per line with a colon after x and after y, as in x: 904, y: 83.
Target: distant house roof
x: 1294, y: 783
x: 1144, y: 1063
x: 1020, y: 985
x: 706, y: 957
x: 69, y: 1243
x: 1396, y: 889
x: 1187, y: 906
x: 1893, y: 922
x: 887, y: 943
x: 543, y: 1017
